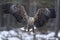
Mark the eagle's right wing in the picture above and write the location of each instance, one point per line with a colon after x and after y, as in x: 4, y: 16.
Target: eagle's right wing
x: 18, y: 11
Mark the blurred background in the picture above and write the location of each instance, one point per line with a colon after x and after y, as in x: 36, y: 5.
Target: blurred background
x: 31, y: 7
x: 8, y: 22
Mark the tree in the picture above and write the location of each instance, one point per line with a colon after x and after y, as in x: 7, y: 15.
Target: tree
x: 57, y: 26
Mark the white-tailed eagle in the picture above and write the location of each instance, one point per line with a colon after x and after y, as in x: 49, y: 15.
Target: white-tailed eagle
x: 18, y: 11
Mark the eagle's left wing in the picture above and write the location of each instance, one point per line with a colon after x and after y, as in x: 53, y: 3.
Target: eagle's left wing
x: 41, y: 18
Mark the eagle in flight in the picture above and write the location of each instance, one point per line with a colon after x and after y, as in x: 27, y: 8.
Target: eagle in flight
x: 18, y: 11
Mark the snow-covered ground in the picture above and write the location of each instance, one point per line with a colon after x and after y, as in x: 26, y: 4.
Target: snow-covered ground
x: 17, y: 34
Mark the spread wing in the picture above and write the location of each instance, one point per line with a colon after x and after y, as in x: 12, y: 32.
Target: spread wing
x: 41, y: 18
x: 19, y: 13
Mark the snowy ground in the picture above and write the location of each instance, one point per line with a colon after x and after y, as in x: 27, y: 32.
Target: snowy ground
x: 17, y: 34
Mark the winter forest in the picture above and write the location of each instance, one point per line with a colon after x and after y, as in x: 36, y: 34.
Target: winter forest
x: 29, y: 20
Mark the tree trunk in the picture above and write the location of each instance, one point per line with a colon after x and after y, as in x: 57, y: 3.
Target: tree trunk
x: 57, y: 26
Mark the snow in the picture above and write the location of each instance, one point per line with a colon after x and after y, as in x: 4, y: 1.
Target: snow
x: 12, y: 32
x: 13, y: 35
x: 1, y: 39
x: 4, y: 33
x: 13, y: 38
